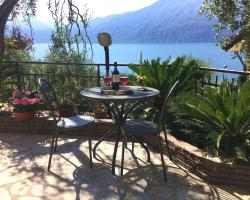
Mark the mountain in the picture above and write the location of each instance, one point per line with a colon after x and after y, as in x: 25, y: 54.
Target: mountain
x: 41, y: 31
x: 164, y: 21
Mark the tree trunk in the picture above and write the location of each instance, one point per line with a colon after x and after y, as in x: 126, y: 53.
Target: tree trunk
x: 2, y: 45
x: 5, y: 10
x: 248, y: 37
x: 248, y: 55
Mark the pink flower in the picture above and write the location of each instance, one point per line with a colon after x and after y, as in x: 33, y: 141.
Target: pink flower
x: 16, y: 92
x: 22, y: 101
x: 27, y: 92
x: 25, y: 101
x: 16, y: 101
x: 33, y: 101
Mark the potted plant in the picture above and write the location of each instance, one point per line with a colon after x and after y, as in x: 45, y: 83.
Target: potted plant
x: 66, y: 110
x: 18, y: 41
x: 66, y: 98
x: 140, y: 79
x: 101, y: 111
x: 25, y: 104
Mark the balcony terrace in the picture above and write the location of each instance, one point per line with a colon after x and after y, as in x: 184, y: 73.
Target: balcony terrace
x: 24, y: 153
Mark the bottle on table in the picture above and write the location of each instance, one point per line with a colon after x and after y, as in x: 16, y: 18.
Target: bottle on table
x: 115, y: 78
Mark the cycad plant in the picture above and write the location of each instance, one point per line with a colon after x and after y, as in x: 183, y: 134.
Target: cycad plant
x: 163, y: 75
x: 218, y: 120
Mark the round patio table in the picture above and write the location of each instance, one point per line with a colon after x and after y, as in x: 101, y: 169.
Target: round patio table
x: 116, y: 104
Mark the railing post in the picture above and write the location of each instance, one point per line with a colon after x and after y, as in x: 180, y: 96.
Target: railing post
x: 18, y: 76
x: 98, y: 76
x: 225, y: 67
x: 202, y: 81
x: 106, y: 49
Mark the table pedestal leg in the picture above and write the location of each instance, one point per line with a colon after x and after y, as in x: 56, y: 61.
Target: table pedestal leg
x: 106, y: 135
x: 115, y: 150
x: 123, y: 149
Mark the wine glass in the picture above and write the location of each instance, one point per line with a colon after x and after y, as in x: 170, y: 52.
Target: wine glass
x: 124, y: 80
x: 107, y: 80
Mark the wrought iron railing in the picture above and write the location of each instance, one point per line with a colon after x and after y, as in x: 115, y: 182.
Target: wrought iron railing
x: 25, y: 74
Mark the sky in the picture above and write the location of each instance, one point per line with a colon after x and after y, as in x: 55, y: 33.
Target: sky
x: 99, y: 8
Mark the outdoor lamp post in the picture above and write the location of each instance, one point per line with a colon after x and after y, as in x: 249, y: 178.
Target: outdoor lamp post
x: 104, y: 39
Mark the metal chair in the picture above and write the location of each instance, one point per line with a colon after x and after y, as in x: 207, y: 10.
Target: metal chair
x: 138, y: 128
x: 61, y: 123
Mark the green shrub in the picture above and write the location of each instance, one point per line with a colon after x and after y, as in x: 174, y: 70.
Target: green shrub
x: 218, y: 120
x: 163, y: 75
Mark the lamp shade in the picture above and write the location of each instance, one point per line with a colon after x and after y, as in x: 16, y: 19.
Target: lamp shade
x: 104, y: 39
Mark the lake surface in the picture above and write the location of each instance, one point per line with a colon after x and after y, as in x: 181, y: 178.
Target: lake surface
x: 130, y: 53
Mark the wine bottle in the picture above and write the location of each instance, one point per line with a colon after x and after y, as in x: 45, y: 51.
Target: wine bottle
x: 115, y: 78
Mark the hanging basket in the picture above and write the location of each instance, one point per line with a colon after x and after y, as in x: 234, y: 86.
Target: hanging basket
x: 20, y: 44
x: 24, y: 116
x: 17, y: 44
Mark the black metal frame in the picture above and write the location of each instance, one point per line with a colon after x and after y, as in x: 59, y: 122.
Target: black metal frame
x: 120, y: 116
x: 161, y: 127
x: 117, y: 108
x: 50, y: 97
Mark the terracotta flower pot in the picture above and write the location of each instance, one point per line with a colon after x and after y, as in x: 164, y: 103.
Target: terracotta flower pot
x: 24, y: 116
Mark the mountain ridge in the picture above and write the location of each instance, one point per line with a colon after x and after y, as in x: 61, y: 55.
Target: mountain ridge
x: 165, y: 21
x: 176, y: 21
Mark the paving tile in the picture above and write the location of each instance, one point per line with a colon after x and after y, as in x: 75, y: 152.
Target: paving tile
x: 12, y: 175
x: 21, y: 188
x: 4, y: 194
x: 31, y: 198
x: 24, y: 176
x: 184, y: 193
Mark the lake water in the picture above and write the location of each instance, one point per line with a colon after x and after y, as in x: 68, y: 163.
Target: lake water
x: 130, y: 53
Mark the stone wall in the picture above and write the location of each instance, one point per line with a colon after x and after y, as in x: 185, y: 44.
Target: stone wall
x: 42, y: 125
x: 210, y: 169
x: 188, y: 156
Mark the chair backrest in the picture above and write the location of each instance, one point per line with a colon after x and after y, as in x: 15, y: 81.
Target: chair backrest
x: 49, y: 95
x: 164, y: 106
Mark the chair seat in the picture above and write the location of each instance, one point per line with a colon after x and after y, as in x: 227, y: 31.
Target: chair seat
x: 76, y: 121
x: 141, y: 127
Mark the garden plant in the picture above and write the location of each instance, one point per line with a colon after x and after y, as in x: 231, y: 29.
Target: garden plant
x: 162, y: 76
x: 217, y: 120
